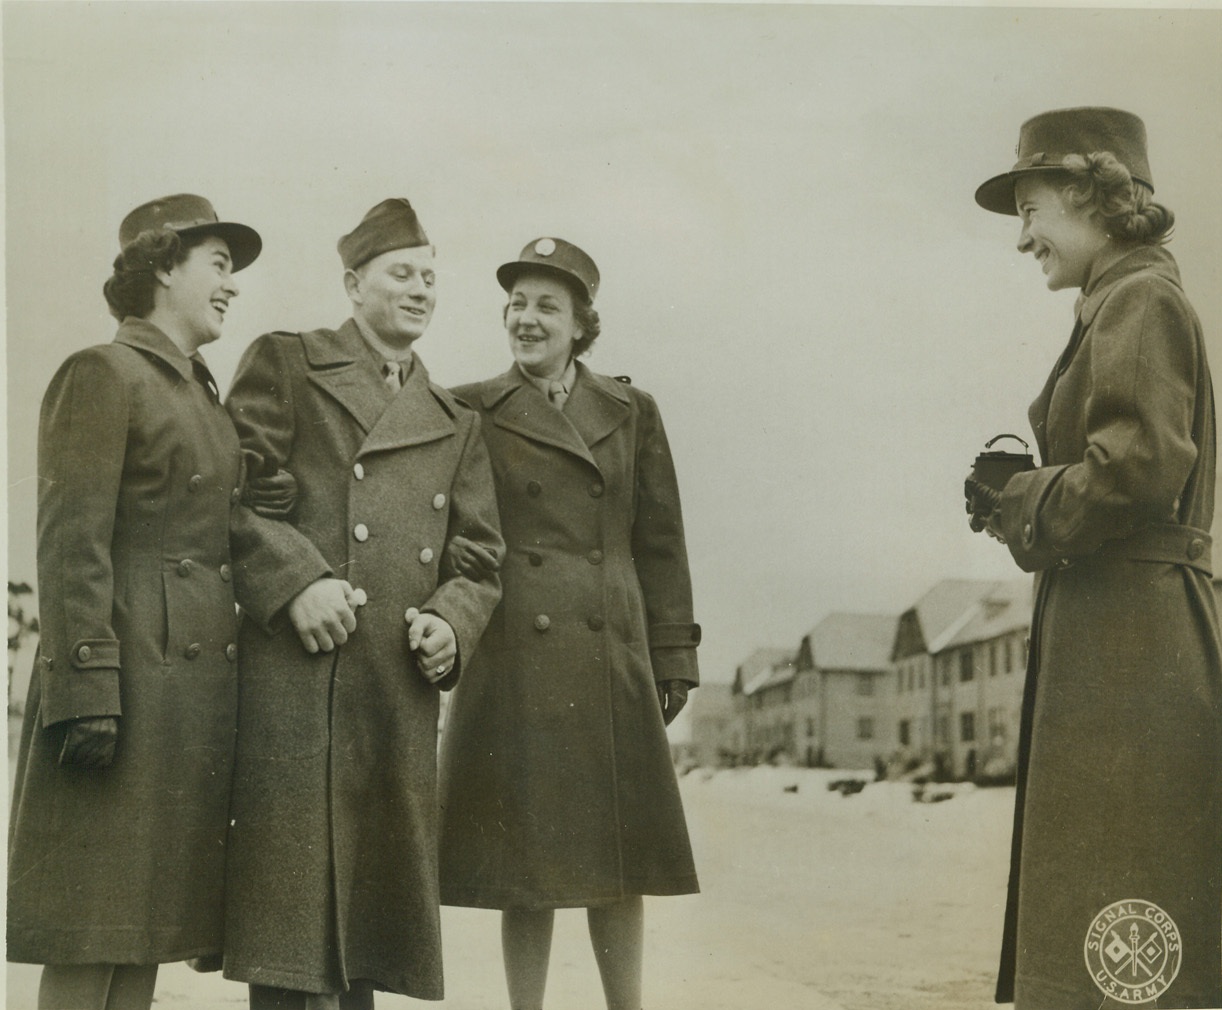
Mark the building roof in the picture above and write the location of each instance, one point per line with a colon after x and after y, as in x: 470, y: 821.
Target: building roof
x: 946, y: 608
x: 765, y: 667
x: 1005, y: 608
x: 853, y: 642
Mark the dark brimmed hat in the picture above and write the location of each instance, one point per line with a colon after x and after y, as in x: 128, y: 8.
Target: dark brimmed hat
x: 1045, y: 140
x: 553, y: 256
x: 392, y: 224
x: 189, y: 215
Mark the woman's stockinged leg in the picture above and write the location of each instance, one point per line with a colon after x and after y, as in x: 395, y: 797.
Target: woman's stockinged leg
x: 74, y: 986
x: 97, y: 987
x: 618, y: 935
x: 526, y: 944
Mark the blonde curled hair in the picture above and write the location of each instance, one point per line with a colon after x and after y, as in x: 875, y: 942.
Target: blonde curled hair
x: 1127, y: 207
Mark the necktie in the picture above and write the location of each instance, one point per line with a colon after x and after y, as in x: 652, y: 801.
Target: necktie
x: 392, y: 374
x: 557, y: 393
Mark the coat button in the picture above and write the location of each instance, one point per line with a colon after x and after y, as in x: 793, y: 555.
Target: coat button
x: 533, y: 488
x: 195, y: 482
x: 192, y: 650
x: 226, y: 573
x: 185, y: 566
x: 83, y: 653
x: 1195, y: 549
x: 231, y: 652
x: 439, y: 501
x: 542, y: 622
x: 426, y: 555
x: 596, y: 489
x: 596, y: 623
x: 595, y: 557
x: 358, y: 471
x: 1028, y: 534
x: 235, y: 496
x: 361, y: 532
x: 535, y: 559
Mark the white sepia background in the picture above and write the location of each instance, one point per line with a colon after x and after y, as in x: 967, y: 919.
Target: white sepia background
x: 779, y: 198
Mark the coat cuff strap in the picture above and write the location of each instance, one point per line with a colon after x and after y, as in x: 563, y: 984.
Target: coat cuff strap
x: 674, y: 636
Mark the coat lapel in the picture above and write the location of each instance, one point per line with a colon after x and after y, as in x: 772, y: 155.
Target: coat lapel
x: 516, y: 405
x: 596, y: 406
x: 414, y: 416
x: 342, y: 366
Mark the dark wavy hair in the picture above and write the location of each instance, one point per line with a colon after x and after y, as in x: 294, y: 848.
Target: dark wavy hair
x: 129, y: 290
x: 1128, y: 209
x: 583, y: 312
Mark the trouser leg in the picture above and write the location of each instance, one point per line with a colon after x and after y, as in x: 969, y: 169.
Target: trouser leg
x: 526, y: 944
x: 266, y: 997
x: 131, y: 987
x: 270, y: 997
x: 617, y: 933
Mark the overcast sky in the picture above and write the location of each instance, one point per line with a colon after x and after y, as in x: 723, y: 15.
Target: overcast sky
x: 779, y: 199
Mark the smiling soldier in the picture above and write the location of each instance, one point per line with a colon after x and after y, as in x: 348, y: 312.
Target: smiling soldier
x: 354, y: 619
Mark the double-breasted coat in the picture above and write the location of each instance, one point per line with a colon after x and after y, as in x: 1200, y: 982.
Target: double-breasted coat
x: 333, y: 867
x: 138, y: 470
x: 1116, y: 881
x: 557, y: 782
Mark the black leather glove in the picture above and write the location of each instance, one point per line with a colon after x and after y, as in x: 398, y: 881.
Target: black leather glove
x: 672, y: 696
x: 90, y: 743
x: 273, y: 497
x: 471, y: 560
x: 982, y: 501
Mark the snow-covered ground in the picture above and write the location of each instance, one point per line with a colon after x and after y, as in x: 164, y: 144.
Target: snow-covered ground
x: 811, y: 901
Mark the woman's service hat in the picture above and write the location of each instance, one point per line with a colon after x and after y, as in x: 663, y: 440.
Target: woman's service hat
x: 188, y: 214
x: 391, y: 224
x: 1046, y: 139
x: 554, y: 256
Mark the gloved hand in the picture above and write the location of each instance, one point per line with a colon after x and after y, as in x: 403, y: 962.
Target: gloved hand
x: 982, y: 502
x: 273, y: 497
x: 471, y: 560
x: 672, y: 696
x: 90, y: 743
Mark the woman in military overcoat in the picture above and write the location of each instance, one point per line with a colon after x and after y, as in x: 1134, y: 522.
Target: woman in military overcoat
x: 557, y: 783
x: 117, y: 836
x: 1116, y: 881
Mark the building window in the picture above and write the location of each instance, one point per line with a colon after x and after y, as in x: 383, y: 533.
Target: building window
x: 997, y: 726
x: 967, y: 727
x: 1009, y: 655
x: 992, y: 659
x: 967, y: 666
x: 865, y: 683
x: 899, y: 681
x: 905, y: 732
x: 865, y: 728
x: 944, y: 661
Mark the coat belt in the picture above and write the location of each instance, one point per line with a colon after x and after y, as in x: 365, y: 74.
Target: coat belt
x: 1169, y: 543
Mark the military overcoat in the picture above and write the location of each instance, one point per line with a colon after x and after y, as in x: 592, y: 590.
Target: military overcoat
x: 1116, y: 880
x: 557, y: 782
x: 333, y: 867
x: 138, y: 470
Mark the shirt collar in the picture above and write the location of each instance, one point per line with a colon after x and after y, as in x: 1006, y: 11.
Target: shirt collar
x: 380, y: 349
x: 544, y: 385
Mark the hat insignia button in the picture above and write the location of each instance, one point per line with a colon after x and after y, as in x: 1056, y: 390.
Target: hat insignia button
x: 545, y: 247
